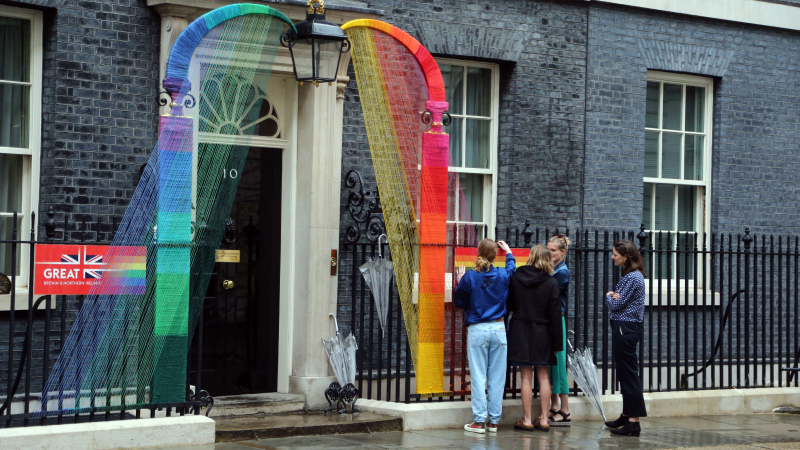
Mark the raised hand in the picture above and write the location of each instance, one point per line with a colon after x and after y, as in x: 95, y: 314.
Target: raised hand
x: 503, y: 246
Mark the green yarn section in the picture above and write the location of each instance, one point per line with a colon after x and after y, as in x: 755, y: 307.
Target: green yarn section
x: 220, y: 15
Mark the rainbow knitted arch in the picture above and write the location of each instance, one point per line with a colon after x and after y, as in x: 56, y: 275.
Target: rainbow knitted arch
x: 395, y: 74
x: 129, y: 339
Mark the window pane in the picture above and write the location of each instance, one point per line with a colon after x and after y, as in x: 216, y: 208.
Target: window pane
x: 478, y: 143
x: 453, y: 191
x: 647, y: 210
x: 672, y: 106
x: 686, y: 208
x: 651, y: 153
x: 695, y: 108
x: 479, y: 92
x: 15, y: 46
x: 651, y: 117
x: 665, y: 207
x: 454, y: 130
x: 6, y: 231
x: 671, y: 155
x: 14, y: 100
x: 453, y: 87
x: 693, y: 157
x: 11, y: 183
x: 472, y: 186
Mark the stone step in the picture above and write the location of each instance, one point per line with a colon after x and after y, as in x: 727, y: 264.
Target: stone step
x: 230, y: 429
x: 257, y: 404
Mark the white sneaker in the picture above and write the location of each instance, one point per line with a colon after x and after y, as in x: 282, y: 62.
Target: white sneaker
x: 491, y: 427
x: 475, y: 427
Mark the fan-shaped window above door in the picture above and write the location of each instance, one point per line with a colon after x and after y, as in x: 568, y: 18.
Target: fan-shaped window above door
x: 256, y: 116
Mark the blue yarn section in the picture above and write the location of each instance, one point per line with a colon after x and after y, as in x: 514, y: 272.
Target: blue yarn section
x: 181, y: 54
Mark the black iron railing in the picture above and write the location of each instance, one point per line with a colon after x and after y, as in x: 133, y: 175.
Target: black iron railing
x: 721, y: 311
x: 33, y: 342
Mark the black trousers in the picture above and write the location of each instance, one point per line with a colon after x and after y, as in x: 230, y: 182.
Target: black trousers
x: 624, y: 338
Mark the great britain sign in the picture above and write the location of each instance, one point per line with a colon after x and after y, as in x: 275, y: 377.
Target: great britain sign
x: 74, y: 269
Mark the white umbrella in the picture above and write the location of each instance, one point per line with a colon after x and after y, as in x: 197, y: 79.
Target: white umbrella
x: 342, y: 355
x: 584, y: 372
x: 377, y: 273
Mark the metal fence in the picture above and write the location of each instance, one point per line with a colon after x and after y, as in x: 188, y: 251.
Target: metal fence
x: 38, y: 327
x: 721, y: 311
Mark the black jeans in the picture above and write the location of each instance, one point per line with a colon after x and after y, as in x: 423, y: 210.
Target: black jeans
x: 624, y: 338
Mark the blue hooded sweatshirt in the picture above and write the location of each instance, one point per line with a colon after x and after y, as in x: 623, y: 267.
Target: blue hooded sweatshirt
x: 483, y: 295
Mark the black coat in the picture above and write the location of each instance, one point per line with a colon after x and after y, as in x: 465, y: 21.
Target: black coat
x: 534, y: 332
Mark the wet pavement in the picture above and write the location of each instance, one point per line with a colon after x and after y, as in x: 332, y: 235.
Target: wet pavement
x: 745, y: 432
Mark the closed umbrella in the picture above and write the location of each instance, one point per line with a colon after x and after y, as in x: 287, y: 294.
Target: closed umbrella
x: 341, y: 352
x: 377, y: 273
x: 584, y: 372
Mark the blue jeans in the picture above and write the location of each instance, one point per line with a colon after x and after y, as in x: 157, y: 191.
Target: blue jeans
x: 487, y: 351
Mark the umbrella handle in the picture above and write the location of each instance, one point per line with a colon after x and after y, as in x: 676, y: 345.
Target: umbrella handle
x: 380, y: 254
x: 571, y: 348
x: 336, y: 322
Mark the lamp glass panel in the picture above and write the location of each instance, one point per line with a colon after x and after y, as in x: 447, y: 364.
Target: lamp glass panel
x: 326, y: 58
x: 301, y: 57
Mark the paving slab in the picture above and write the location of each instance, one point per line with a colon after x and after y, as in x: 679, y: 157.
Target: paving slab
x: 740, y: 432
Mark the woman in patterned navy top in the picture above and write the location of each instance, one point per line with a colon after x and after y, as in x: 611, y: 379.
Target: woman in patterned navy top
x: 626, y: 304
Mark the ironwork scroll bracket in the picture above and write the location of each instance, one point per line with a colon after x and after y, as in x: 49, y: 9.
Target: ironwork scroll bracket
x: 364, y: 208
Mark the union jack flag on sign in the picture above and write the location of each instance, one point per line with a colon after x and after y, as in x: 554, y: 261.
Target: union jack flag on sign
x: 91, y: 266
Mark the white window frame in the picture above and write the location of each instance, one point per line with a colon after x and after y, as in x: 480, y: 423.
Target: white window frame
x: 32, y: 154
x: 490, y: 181
x: 702, y: 209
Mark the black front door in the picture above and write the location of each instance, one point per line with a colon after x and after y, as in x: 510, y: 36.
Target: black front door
x: 241, y: 310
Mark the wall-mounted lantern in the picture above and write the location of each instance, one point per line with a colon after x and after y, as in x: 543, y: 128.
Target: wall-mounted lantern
x: 316, y: 47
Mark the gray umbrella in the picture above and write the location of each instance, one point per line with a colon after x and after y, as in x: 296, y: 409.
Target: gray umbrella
x: 342, y: 355
x: 377, y: 274
x: 584, y: 372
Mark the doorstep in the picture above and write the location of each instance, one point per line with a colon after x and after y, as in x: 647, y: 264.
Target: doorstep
x: 231, y: 429
x: 261, y: 404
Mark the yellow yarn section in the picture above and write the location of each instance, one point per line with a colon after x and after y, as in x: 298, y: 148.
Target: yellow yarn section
x: 398, y: 209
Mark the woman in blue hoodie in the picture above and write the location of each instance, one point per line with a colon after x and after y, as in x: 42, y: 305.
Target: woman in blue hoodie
x: 483, y: 293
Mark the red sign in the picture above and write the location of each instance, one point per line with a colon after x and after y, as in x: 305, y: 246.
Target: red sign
x: 74, y: 269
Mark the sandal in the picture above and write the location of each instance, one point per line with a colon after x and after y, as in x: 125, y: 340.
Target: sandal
x: 564, y: 422
x: 552, y: 413
x: 520, y: 425
x: 541, y: 426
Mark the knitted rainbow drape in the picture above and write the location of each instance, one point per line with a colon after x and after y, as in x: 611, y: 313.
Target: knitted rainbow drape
x: 398, y: 80
x: 128, y: 345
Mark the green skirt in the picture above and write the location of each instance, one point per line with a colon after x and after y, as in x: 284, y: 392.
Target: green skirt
x: 558, y: 373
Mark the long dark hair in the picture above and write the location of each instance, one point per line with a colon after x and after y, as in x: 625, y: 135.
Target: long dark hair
x: 634, y: 259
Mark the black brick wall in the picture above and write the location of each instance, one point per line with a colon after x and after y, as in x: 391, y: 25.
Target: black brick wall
x: 99, y: 125
x: 100, y: 115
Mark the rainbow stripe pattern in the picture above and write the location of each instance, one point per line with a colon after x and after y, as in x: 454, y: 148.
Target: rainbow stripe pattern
x: 397, y: 80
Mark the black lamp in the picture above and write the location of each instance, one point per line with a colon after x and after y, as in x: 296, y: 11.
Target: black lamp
x: 316, y: 46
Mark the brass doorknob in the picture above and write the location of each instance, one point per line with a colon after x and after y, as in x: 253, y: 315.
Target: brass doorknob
x: 227, y: 284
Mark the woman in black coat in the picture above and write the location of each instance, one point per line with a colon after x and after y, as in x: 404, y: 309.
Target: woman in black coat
x: 534, y: 332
